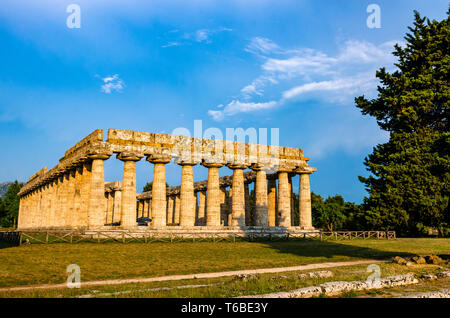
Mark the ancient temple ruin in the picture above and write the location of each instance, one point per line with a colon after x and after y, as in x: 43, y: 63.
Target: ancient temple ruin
x: 74, y: 195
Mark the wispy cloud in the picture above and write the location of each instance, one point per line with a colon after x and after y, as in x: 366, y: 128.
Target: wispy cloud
x: 112, y: 83
x: 307, y: 73
x: 199, y: 36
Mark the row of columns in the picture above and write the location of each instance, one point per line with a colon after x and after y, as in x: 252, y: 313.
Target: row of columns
x: 217, y: 207
x: 76, y: 197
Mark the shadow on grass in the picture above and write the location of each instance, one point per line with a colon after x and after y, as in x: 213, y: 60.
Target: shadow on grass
x: 312, y: 248
x: 6, y: 245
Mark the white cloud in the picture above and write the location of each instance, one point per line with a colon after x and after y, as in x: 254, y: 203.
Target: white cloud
x: 199, y: 36
x: 236, y: 106
x: 262, y: 45
x: 112, y: 83
x: 309, y: 73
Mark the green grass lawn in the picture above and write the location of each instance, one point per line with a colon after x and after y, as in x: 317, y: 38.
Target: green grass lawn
x: 42, y: 264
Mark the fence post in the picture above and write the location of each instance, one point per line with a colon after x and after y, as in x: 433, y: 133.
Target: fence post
x: 46, y: 237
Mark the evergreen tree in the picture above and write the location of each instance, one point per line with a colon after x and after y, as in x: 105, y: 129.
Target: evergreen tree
x: 9, y: 207
x: 409, y: 182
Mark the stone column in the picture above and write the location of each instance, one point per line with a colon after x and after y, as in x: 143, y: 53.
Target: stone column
x: 110, y: 208
x: 291, y: 196
x: 187, y: 204
x: 213, y: 194
x: 128, y: 206
x: 223, y: 206
x: 272, y: 201
x: 284, y: 200
x: 77, y: 196
x: 304, y: 200
x: 170, y: 209
x: 85, y: 194
x: 21, y: 224
x: 238, y: 215
x: 149, y: 208
x: 159, y: 189
x: 201, y: 208
x: 176, y: 209
x: 96, y: 210
x: 248, y: 215
x: 117, y: 206
x: 261, y: 211
x: 60, y: 209
x: 71, y: 217
x: 38, y: 207
x: 50, y: 204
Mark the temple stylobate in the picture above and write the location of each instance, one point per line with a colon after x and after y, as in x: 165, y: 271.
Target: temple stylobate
x: 74, y: 194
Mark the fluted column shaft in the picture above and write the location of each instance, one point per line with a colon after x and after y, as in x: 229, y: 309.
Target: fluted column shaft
x: 187, y: 204
x: 305, y: 201
x: 71, y: 217
x: 96, y: 210
x: 248, y: 215
x: 83, y: 218
x: 128, y: 206
x: 159, y: 203
x: 60, y: 209
x: 284, y: 200
x: 238, y: 216
x: 116, y: 206
x: 272, y: 201
x: 176, y: 209
x: 201, y: 217
x: 213, y: 195
x: 110, y: 207
x: 261, y: 198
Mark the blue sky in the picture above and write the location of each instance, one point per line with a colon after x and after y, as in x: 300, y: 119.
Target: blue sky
x: 158, y: 65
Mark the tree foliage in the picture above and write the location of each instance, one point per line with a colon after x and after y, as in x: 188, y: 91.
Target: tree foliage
x: 149, y: 185
x: 9, y: 205
x: 409, y: 182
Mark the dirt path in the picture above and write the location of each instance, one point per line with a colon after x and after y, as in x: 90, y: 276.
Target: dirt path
x: 195, y: 276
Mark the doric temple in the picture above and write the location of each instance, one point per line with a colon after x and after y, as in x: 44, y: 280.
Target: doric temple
x: 74, y: 194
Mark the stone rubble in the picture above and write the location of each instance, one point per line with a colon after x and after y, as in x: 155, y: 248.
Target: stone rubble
x: 335, y: 288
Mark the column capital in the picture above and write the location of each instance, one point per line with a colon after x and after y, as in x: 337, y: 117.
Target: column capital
x: 182, y: 162
x: 100, y: 155
x: 213, y: 164
x: 129, y: 156
x: 259, y: 167
x: 159, y: 158
x: 305, y: 170
x: 99, y: 152
x: 237, y: 166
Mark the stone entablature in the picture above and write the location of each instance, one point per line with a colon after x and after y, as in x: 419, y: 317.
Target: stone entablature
x: 73, y: 193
